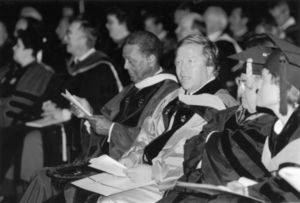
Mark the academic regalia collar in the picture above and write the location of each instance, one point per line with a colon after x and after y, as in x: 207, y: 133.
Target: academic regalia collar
x: 199, y: 89
x: 158, y: 77
x: 30, y: 64
x: 204, y: 97
x: 214, y: 36
x: 284, y: 134
x: 84, y: 56
x: 91, y: 61
x: 211, y: 87
x: 291, y: 21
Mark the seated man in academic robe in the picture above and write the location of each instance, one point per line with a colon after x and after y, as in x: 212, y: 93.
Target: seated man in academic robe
x: 122, y: 116
x: 230, y: 146
x: 187, y: 110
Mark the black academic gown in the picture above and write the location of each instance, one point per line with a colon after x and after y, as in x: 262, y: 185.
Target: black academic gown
x: 92, y: 79
x: 285, y: 145
x: 233, y: 150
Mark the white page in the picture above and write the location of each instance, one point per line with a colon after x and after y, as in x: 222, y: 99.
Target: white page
x: 72, y: 99
x: 107, y: 184
x: 109, y: 165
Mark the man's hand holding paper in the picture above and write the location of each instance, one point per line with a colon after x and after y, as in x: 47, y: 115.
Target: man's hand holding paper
x: 100, y: 124
x: 77, y: 111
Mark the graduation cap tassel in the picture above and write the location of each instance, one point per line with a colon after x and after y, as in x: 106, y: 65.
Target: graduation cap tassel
x: 283, y: 86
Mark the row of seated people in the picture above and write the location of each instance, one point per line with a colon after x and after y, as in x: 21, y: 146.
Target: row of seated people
x: 191, y: 137
x: 26, y: 83
x: 91, y: 75
x: 155, y: 133
x: 199, y: 99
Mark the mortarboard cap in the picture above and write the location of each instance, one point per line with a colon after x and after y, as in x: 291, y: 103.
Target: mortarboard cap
x: 258, y: 54
x: 285, y: 63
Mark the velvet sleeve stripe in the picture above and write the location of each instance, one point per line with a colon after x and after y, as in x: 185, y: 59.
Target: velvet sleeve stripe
x: 16, y: 116
x: 20, y: 105
x: 235, y: 163
x: 256, y: 136
x: 249, y: 149
x: 26, y: 95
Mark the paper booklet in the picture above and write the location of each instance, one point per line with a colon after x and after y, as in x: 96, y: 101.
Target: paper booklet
x: 111, y: 182
x: 108, y: 184
x: 44, y: 122
x: 212, y: 189
x: 73, y: 100
x: 109, y: 165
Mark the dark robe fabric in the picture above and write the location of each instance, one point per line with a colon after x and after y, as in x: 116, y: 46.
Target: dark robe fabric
x: 139, y: 104
x: 233, y: 150
x: 9, y: 79
x: 20, y: 102
x: 180, y: 116
x: 115, y: 50
x: 28, y: 85
x: 128, y: 110
x: 274, y: 188
x: 92, y: 79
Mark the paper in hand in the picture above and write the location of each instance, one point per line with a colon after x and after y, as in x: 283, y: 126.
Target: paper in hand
x: 73, y: 100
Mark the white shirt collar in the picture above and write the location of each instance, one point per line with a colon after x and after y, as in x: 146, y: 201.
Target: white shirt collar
x: 278, y: 126
x: 214, y: 36
x: 84, y: 56
x: 291, y: 21
x: 191, y: 93
x: 162, y: 35
x: 241, y: 32
x: 157, y: 77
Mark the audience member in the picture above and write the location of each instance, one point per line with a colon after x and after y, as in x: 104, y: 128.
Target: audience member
x: 191, y: 23
x: 287, y: 24
x: 118, y: 24
x: 124, y: 114
x: 216, y: 21
x: 181, y: 11
x: 28, y: 85
x: 157, y: 25
x: 238, y: 24
x: 5, y: 51
x: 267, y: 25
x: 231, y: 144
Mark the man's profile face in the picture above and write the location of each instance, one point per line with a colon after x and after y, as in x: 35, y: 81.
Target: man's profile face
x: 150, y: 26
x: 235, y: 19
x: 184, y: 28
x: 74, y: 38
x: 280, y: 14
x: 135, y: 63
x: 191, y: 67
x: 114, y: 27
x: 20, y: 52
